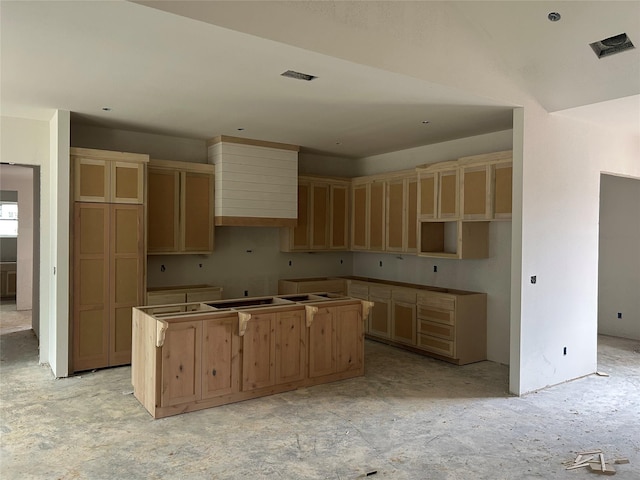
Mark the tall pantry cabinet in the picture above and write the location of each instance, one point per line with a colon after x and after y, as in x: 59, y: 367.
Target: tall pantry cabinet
x: 107, y: 254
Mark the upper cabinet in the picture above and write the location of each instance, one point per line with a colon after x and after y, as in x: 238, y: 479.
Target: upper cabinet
x: 102, y: 176
x: 323, y: 212
x: 401, y: 213
x: 368, y: 227
x: 180, y: 207
x: 439, y: 191
x: 486, y: 186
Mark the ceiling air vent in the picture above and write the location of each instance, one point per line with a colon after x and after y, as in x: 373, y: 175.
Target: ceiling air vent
x: 612, y: 45
x: 298, y: 75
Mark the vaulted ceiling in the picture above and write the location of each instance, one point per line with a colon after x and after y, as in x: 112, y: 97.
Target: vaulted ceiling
x: 201, y: 69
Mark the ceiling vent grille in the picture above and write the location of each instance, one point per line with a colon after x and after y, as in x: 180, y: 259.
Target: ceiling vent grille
x: 298, y: 75
x: 612, y: 45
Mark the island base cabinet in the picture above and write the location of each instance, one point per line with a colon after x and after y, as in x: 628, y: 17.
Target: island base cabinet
x: 189, y: 361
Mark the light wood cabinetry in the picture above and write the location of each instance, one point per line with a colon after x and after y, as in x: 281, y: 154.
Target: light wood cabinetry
x: 453, y: 239
x: 107, y: 255
x: 108, y: 177
x: 453, y: 325
x: 401, y: 214
x: 180, y: 208
x: 368, y: 214
x: 108, y: 272
x: 8, y: 279
x: 199, y: 359
x: 171, y: 297
x: 323, y: 212
x: 311, y: 285
x: 448, y: 324
x: 486, y: 191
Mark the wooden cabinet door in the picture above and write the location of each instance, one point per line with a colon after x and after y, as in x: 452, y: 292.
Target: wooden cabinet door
x: 181, y: 364
x: 349, y: 338
x: 126, y: 257
x: 127, y: 182
x: 163, y: 188
x: 319, y: 216
x: 380, y: 317
x: 403, y: 324
x: 502, y: 186
x: 220, y: 357
x: 196, y: 212
x: 448, y: 194
x: 301, y: 239
x: 395, y: 215
x: 427, y: 200
x: 359, y: 217
x: 291, y: 341
x: 376, y: 216
x: 339, y: 213
x: 411, y: 227
x: 322, y: 345
x: 90, y: 286
x: 476, y: 202
x: 91, y: 180
x: 258, y: 352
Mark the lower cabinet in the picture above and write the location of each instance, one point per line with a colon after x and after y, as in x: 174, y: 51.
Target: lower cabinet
x: 273, y: 347
x: 448, y: 324
x: 193, y: 360
x: 336, y: 341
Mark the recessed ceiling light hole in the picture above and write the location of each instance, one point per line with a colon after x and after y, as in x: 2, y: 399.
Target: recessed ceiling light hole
x: 106, y: 109
x: 554, y: 16
x: 298, y: 75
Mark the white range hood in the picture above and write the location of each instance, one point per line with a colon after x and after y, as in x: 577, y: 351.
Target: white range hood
x: 256, y: 182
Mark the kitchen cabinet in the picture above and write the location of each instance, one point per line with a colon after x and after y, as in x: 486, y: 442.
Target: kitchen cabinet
x: 273, y: 348
x: 448, y: 324
x: 453, y: 326
x: 102, y: 176
x: 180, y: 208
x: 368, y: 218
x: 401, y: 214
x: 311, y: 285
x: 336, y: 341
x: 8, y: 279
x: 323, y: 212
x: 381, y: 313
x: 453, y: 239
x: 233, y: 350
x: 486, y: 186
x: 171, y: 296
x: 107, y: 281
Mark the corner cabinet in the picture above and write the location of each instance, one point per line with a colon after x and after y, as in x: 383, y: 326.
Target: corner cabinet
x: 323, y: 214
x: 180, y: 208
x: 107, y: 255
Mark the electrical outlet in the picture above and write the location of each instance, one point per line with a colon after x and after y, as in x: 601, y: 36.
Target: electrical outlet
x: 380, y: 262
x: 246, y: 293
x: 435, y: 269
x: 533, y: 279
x: 619, y: 314
x: 200, y: 265
x: 341, y: 262
x: 290, y: 263
x: 162, y: 268
x: 564, y: 351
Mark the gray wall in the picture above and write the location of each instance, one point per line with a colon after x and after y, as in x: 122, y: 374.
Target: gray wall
x: 619, y: 261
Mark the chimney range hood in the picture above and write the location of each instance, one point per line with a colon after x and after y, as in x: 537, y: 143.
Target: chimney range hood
x: 256, y: 182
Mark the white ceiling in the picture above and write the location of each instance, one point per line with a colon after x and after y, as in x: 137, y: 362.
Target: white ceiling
x: 165, y: 73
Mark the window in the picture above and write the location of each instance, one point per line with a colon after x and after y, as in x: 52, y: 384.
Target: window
x: 8, y: 219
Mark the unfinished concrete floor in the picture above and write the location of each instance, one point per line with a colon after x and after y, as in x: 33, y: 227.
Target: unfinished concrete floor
x: 410, y: 417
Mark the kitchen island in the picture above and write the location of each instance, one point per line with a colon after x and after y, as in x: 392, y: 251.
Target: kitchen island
x: 226, y: 351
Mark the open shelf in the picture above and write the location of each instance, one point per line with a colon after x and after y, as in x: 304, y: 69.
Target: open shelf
x: 454, y: 239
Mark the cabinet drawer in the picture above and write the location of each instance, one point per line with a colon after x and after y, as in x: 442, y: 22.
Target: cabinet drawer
x: 436, y: 315
x: 155, y: 298
x: 436, y: 345
x: 379, y: 291
x: 358, y: 290
x: 404, y: 295
x: 204, y: 295
x: 437, y: 300
x: 439, y: 330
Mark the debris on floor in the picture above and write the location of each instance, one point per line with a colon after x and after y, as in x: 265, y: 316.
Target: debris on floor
x: 594, y: 462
